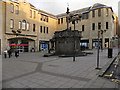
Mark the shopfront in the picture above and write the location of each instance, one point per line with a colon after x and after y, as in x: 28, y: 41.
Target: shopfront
x: 43, y: 45
x: 84, y: 44
x: 95, y: 43
x: 21, y: 44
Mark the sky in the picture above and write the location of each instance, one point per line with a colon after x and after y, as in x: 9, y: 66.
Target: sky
x: 59, y: 6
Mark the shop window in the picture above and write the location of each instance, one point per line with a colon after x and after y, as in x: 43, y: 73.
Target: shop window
x: 23, y: 24
x: 12, y: 8
x: 17, y: 9
x: 11, y: 23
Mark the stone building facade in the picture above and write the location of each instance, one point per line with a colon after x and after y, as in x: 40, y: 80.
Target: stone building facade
x: 26, y: 28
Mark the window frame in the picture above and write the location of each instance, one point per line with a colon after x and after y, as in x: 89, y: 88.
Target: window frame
x: 19, y: 25
x: 99, y: 25
x: 93, y: 13
x: 99, y: 12
x: 30, y: 13
x: 27, y: 26
x: 24, y: 24
x: 83, y: 27
x: 11, y: 24
x: 107, y: 25
x: 17, y: 9
x: 47, y: 30
x: 33, y: 27
x: 12, y: 8
x: 93, y: 26
x: 40, y: 29
x: 44, y: 29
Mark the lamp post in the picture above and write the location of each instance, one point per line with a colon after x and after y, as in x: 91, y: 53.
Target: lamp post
x: 98, y: 48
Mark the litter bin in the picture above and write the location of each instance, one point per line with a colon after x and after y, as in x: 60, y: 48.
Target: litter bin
x: 109, y: 52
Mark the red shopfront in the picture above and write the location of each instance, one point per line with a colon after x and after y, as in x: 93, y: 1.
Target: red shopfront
x: 20, y: 47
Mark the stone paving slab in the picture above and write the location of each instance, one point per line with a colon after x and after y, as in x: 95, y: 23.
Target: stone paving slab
x: 31, y: 70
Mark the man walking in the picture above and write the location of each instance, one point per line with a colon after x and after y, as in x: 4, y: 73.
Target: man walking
x: 9, y: 52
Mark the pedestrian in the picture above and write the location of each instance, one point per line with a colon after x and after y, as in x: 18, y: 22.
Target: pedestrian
x: 5, y: 53
x: 9, y: 52
x: 16, y: 53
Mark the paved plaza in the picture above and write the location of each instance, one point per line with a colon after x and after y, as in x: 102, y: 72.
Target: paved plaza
x: 32, y: 70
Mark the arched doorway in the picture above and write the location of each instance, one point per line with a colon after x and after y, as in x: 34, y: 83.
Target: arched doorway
x: 21, y: 44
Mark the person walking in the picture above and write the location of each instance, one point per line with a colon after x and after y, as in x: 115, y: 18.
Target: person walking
x: 9, y: 52
x: 16, y: 53
x: 5, y: 53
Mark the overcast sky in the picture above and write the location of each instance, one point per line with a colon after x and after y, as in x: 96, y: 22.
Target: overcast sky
x: 59, y: 6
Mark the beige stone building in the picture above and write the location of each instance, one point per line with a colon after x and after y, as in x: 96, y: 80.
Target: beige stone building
x: 26, y: 28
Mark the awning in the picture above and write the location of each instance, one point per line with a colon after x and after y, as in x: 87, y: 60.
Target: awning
x: 19, y: 45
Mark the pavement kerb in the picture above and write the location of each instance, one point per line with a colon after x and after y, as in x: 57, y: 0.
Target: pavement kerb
x: 106, y: 67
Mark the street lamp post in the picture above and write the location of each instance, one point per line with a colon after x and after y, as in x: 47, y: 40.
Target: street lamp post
x: 98, y: 50
x: 99, y: 32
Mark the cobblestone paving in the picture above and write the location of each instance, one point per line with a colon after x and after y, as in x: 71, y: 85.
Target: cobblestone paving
x: 31, y: 70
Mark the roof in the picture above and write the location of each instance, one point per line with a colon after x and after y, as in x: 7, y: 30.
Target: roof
x: 97, y: 5
x: 75, y: 11
x: 84, y: 10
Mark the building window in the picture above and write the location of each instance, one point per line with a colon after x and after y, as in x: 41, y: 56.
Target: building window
x: 47, y: 30
x: 99, y: 25
x: 23, y: 24
x: 44, y: 29
x: 93, y: 13
x: 19, y: 27
x: 28, y: 26
x: 83, y: 27
x: 11, y: 24
x: 41, y: 17
x: 34, y: 14
x: 61, y: 20
x: 93, y: 26
x: 107, y: 11
x: 41, y: 29
x: 83, y: 16
x: 106, y: 25
x: 47, y: 19
x: 30, y: 13
x: 87, y: 15
x: 17, y: 9
x: 99, y: 12
x: 58, y: 21
x: 33, y: 27
x: 12, y: 8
